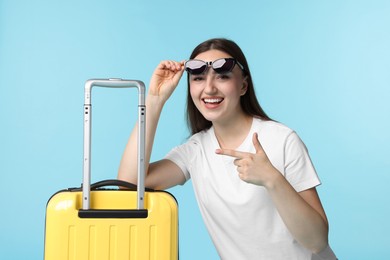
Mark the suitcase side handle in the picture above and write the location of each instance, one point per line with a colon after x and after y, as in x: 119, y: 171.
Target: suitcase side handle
x: 113, y: 83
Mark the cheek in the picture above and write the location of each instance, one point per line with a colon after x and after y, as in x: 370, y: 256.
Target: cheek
x: 191, y: 90
x: 194, y: 92
x: 233, y: 91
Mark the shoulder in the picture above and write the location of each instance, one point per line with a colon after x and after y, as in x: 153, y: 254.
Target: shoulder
x: 200, y: 138
x: 271, y: 128
x: 277, y: 136
x: 193, y: 143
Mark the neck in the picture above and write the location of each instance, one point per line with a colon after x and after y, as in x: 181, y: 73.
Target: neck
x: 230, y: 135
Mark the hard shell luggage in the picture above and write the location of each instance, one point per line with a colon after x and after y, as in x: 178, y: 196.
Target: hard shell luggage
x: 93, y: 222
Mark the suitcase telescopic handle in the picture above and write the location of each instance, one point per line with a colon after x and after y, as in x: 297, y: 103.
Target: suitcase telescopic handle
x: 113, y: 83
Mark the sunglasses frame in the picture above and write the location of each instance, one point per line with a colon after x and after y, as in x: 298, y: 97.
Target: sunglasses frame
x: 210, y: 64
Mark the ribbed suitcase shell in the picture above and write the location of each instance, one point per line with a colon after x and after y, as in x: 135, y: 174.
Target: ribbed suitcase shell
x: 71, y: 237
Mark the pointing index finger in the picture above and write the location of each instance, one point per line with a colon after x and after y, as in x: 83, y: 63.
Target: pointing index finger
x: 231, y: 153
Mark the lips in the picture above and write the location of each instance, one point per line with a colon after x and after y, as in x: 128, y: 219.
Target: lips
x: 212, y: 100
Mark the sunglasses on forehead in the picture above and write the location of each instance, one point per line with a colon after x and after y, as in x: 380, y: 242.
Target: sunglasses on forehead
x: 220, y: 66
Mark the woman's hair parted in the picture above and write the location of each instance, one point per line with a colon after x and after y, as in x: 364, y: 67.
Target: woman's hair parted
x: 195, y: 120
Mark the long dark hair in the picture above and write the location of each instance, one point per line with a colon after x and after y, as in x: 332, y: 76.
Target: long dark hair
x: 195, y: 120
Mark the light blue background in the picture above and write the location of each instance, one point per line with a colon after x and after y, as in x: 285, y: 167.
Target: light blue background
x: 321, y: 67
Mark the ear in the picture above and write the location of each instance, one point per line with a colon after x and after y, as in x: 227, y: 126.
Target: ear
x: 244, y: 86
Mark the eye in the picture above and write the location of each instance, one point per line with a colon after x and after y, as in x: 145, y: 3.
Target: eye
x: 197, y: 78
x: 223, y: 76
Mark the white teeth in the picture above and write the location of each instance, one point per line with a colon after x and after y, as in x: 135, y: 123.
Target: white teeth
x: 212, y: 100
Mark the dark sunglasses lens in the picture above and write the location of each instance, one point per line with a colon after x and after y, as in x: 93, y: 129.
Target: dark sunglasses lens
x: 222, y: 66
x: 195, y: 67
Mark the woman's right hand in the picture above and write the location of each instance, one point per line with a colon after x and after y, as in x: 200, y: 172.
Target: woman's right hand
x: 165, y: 78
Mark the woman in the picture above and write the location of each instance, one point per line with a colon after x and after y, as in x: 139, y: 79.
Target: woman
x: 252, y: 177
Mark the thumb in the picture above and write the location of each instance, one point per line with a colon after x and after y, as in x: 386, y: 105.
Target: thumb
x: 256, y: 143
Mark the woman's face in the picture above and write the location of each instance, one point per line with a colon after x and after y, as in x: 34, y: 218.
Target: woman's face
x: 217, y: 96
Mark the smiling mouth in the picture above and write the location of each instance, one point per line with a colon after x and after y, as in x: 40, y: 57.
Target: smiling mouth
x: 212, y: 100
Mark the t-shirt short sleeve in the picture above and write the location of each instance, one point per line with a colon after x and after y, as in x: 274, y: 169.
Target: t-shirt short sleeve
x: 182, y: 156
x: 299, y: 169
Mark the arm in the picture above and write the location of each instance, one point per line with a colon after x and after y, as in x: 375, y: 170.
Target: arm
x: 162, y: 84
x: 301, y: 212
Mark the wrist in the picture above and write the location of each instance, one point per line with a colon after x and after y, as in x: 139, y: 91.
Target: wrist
x: 154, y: 103
x: 275, y: 177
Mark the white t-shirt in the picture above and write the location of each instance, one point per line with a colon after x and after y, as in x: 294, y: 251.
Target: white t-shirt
x: 240, y: 217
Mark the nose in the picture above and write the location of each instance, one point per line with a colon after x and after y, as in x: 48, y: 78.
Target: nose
x: 210, y: 87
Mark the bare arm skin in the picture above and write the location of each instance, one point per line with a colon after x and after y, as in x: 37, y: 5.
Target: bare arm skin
x: 162, y: 174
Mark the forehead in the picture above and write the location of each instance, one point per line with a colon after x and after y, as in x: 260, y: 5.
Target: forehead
x: 212, y: 55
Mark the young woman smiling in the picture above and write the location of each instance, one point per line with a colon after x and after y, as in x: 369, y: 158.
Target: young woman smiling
x: 253, y: 178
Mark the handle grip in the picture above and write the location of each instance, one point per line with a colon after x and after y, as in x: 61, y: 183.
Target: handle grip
x: 113, y: 83
x: 116, y: 182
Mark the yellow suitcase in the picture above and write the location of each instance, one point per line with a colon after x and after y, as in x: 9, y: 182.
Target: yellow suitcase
x: 111, y: 234
x: 93, y: 222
